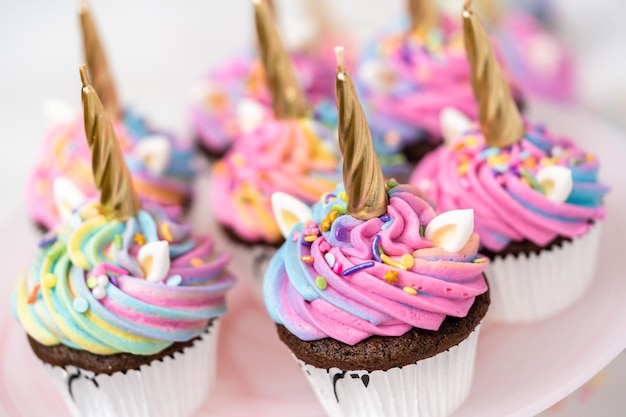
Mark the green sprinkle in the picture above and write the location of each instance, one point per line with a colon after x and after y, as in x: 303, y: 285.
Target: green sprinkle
x: 422, y: 230
x: 380, y: 250
x: 56, y: 250
x: 480, y: 260
x: 531, y: 180
x: 117, y: 241
x: 391, y: 184
x: 92, y: 282
x: 339, y: 208
x: 321, y: 283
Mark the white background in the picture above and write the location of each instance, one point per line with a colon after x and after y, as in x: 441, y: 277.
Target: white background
x: 159, y: 48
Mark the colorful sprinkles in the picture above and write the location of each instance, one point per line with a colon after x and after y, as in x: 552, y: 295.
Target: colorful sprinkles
x: 49, y: 280
x: 357, y: 268
x: 321, y: 283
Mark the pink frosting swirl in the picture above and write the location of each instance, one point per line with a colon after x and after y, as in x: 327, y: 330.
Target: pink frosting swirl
x: 501, y: 186
x: 298, y: 157
x: 407, y: 82
x: 215, y: 116
x: 65, y: 153
x: 387, y: 294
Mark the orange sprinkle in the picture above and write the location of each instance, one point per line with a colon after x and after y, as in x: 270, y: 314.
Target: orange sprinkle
x: 140, y: 239
x: 166, y: 232
x: 33, y: 294
x: 462, y: 168
x: 530, y: 162
x: 325, y: 225
x: 590, y: 157
x: 307, y: 259
x: 391, y: 276
x: 332, y: 215
x: 196, y: 262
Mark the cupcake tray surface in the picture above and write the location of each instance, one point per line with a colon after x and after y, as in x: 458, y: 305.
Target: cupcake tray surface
x: 521, y: 370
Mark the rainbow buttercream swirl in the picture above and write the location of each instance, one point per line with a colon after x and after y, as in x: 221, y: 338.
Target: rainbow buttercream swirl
x: 406, y: 82
x: 501, y: 185
x: 348, y: 279
x: 298, y: 157
x: 87, y: 288
x: 65, y: 153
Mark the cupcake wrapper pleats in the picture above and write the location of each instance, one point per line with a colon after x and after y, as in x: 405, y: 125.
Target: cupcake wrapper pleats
x: 174, y: 386
x: 534, y: 287
x: 432, y: 387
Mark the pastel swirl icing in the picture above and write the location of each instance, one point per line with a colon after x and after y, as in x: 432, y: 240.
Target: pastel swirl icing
x: 415, y: 81
x: 501, y: 186
x: 57, y: 302
x: 537, y: 60
x: 216, y: 116
x: 298, y: 157
x: 399, y: 280
x: 65, y: 153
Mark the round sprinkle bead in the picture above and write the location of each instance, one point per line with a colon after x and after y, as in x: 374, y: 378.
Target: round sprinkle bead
x: 103, y: 280
x: 341, y: 234
x: 92, y: 282
x: 407, y: 260
x: 99, y: 293
x: 321, y: 283
x: 80, y: 305
x: 174, y: 280
x: 49, y: 280
x: 410, y: 290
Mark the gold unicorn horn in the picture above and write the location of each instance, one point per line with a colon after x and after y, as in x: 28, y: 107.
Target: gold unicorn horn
x: 424, y: 16
x: 500, y: 119
x: 288, y: 99
x: 117, y: 197
x: 362, y: 175
x: 96, y: 61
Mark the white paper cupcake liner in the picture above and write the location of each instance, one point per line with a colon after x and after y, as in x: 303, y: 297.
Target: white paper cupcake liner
x: 433, y: 387
x: 534, y: 287
x: 169, y: 387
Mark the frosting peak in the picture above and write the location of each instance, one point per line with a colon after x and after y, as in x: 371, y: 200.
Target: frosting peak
x: 349, y: 279
x: 297, y: 157
x: 109, y: 286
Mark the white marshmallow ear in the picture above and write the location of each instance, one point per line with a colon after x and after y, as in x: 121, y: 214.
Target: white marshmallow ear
x: 451, y: 230
x: 556, y: 182
x: 67, y: 196
x: 377, y: 76
x: 154, y: 258
x: 154, y: 151
x: 58, y: 112
x: 250, y: 115
x: 288, y: 211
x: 453, y: 124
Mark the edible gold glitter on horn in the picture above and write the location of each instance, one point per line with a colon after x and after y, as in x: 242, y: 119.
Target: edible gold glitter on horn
x: 424, y: 16
x: 117, y: 197
x: 96, y: 61
x: 362, y: 175
x: 500, y: 119
x: 288, y: 99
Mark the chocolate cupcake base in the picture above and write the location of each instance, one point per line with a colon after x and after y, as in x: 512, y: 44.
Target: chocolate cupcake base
x: 379, y: 353
x: 173, y: 383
